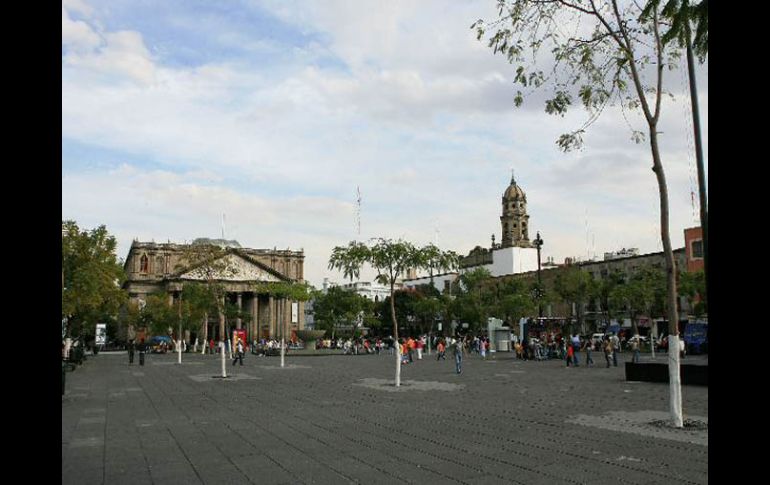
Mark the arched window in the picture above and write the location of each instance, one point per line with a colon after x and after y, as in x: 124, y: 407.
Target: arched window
x: 160, y: 267
x: 143, y: 264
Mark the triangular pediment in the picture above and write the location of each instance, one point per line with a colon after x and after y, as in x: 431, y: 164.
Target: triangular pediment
x: 232, y: 267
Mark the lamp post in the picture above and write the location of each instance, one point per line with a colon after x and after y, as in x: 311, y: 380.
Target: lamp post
x: 538, y: 242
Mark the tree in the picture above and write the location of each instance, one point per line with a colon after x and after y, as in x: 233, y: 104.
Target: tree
x: 391, y: 259
x: 198, y: 301
x: 91, y: 278
x: 602, y: 61
x: 681, y: 15
x: 515, y: 300
x: 338, y: 306
x: 284, y: 291
x: 576, y: 288
x: 476, y: 299
x: 208, y: 264
x: 692, y: 286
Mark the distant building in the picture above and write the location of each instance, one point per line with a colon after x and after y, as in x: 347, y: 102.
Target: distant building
x: 693, y: 246
x: 623, y: 253
x: 370, y: 290
x: 154, y: 268
x: 516, y: 253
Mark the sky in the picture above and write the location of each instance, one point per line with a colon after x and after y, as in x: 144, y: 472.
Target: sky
x: 262, y: 119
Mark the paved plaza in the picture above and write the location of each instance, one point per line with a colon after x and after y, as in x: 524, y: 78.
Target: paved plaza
x: 339, y: 419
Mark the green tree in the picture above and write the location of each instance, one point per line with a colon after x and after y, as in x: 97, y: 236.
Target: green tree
x: 639, y: 295
x: 609, y: 64
x: 158, y: 315
x: 576, y: 288
x: 476, y: 299
x: 91, y: 278
x: 515, y: 299
x: 285, y: 293
x: 209, y: 265
x: 692, y: 286
x: 337, y: 307
x: 391, y: 259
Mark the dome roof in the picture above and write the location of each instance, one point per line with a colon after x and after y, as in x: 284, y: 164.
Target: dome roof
x: 514, y: 191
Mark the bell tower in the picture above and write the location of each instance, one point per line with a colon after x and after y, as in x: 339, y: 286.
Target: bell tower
x: 514, y: 219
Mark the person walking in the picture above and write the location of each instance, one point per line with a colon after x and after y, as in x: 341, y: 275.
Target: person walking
x: 142, y: 348
x: 131, y: 348
x: 608, y: 350
x: 458, y: 350
x: 570, y: 355
x: 575, y: 349
x: 238, y: 352
x: 419, y: 345
x: 588, y: 347
x: 615, y: 349
x: 441, y: 350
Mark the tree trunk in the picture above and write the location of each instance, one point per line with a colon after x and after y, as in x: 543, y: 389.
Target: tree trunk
x: 395, y: 334
x: 281, y: 303
x: 675, y: 385
x: 205, y: 333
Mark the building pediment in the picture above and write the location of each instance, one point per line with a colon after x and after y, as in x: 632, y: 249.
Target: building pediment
x: 231, y: 267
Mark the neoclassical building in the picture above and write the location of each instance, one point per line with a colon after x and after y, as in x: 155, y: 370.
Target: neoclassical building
x: 153, y: 268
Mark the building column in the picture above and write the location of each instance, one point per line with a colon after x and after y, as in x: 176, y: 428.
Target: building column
x: 254, y: 316
x: 271, y: 316
x: 239, y: 300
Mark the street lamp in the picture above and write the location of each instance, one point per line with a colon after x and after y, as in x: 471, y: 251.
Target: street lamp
x: 538, y: 242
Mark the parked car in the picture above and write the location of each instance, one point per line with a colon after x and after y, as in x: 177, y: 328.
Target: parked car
x: 597, y: 338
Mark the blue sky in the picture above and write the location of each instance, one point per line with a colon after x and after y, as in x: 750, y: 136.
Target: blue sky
x: 274, y: 112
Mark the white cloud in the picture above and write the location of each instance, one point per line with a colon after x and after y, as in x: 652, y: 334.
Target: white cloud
x: 420, y: 116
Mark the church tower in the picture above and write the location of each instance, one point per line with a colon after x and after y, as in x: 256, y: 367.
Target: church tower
x: 515, y: 221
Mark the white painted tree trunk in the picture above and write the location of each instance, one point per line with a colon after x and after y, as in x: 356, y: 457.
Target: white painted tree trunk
x: 282, y: 350
x: 179, y: 351
x: 675, y: 384
x: 398, y: 365
x: 222, y: 353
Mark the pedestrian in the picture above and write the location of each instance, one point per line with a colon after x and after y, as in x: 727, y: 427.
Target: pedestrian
x: 607, y: 350
x: 575, y: 349
x: 635, y: 349
x: 570, y: 355
x: 131, y: 348
x: 458, y: 350
x: 238, y: 352
x: 482, y: 349
x: 418, y: 345
x: 211, y: 345
x: 142, y: 348
x: 588, y: 347
x: 615, y: 349
x: 441, y: 349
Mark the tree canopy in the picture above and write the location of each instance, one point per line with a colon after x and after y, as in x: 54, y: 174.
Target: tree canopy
x: 92, y: 277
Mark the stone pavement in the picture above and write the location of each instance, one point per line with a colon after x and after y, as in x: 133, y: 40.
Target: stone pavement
x: 339, y: 419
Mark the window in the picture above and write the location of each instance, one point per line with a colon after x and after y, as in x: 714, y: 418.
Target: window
x: 143, y: 264
x: 696, y: 249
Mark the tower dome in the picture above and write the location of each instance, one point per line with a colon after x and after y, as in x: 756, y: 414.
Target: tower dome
x: 514, y: 219
x: 514, y: 191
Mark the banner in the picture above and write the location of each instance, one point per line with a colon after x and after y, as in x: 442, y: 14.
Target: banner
x: 101, y: 334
